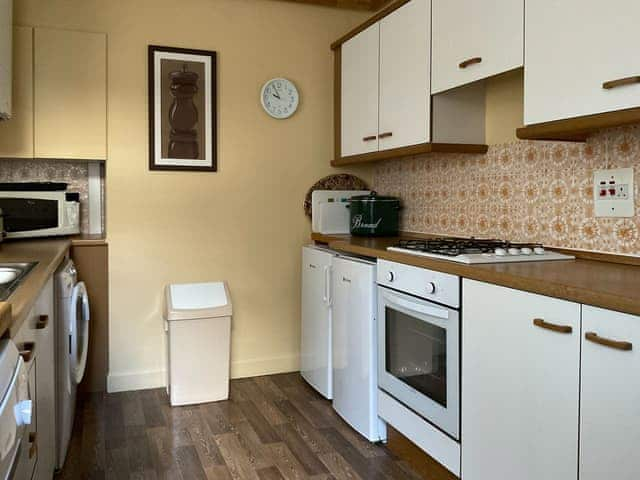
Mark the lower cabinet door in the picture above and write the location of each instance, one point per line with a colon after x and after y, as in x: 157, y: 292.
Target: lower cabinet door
x: 610, y: 396
x: 520, y: 385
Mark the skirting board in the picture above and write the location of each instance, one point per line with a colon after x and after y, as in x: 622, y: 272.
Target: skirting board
x: 123, y: 382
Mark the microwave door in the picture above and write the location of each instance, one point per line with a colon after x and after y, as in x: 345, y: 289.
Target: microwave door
x: 30, y: 214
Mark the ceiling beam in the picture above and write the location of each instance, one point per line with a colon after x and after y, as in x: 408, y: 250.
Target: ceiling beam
x: 369, y: 5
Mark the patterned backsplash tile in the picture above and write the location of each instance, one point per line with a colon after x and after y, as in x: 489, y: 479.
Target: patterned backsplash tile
x: 521, y: 191
x: 72, y: 172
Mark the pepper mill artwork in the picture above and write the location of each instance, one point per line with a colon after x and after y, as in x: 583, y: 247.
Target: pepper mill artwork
x: 183, y: 115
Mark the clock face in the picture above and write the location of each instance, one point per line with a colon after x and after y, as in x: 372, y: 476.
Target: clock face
x: 280, y: 98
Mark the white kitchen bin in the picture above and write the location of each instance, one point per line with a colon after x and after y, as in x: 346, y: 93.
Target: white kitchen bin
x: 198, y: 325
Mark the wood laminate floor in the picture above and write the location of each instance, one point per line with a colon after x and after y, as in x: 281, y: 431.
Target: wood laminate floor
x: 273, y: 427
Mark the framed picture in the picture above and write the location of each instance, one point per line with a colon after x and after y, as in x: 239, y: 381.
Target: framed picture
x: 182, y: 109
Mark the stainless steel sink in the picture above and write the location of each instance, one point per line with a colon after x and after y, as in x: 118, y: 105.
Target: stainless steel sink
x: 12, y: 275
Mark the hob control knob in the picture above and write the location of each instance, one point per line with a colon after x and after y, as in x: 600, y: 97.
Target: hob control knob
x: 390, y: 276
x: 431, y: 287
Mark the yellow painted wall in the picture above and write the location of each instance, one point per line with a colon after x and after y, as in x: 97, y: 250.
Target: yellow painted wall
x: 504, y: 107
x: 243, y: 224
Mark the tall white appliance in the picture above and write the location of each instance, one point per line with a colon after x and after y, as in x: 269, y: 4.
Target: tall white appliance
x: 355, y: 382
x: 315, y: 348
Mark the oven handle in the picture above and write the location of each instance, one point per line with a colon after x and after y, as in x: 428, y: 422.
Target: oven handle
x: 416, y: 307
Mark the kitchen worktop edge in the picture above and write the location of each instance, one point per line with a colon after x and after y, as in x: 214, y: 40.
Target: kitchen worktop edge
x: 605, y: 284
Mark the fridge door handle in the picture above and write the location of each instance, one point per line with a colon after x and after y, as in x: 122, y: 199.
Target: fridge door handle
x: 327, y: 285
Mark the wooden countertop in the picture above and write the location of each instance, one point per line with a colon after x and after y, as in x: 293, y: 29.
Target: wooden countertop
x: 88, y: 240
x: 614, y: 286
x: 49, y: 254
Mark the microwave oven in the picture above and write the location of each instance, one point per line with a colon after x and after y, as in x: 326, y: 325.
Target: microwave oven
x: 39, y: 210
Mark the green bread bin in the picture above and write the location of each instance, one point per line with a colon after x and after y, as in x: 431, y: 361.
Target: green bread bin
x: 374, y: 215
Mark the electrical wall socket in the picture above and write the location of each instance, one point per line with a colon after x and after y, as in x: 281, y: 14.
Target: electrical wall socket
x: 613, y: 192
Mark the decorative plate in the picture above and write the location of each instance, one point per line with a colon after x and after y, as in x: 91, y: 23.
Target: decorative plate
x: 340, y: 181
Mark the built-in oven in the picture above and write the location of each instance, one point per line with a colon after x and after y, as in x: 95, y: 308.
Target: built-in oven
x: 419, y: 342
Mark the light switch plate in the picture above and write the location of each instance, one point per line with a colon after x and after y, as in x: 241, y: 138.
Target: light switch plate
x: 613, y: 192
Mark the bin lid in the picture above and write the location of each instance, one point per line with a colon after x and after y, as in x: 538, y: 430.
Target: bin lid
x: 190, y: 301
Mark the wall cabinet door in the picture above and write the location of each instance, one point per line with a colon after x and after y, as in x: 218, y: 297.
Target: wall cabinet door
x: 405, y: 76
x: 16, y: 134
x: 488, y: 35
x: 360, y: 63
x: 610, y: 396
x: 70, y: 94
x: 520, y: 385
x: 572, y: 48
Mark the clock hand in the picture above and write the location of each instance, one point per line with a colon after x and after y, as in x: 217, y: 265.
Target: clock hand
x: 276, y: 95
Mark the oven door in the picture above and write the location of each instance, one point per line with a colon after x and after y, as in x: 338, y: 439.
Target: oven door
x: 419, y: 357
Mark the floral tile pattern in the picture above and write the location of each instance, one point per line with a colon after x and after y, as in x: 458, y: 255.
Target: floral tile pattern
x: 74, y: 173
x: 521, y: 191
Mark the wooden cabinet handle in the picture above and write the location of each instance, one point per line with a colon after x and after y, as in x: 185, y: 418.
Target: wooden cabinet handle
x: 538, y: 322
x: 607, y: 342
x: 369, y: 138
x: 43, y: 322
x: 33, y: 440
x: 27, y: 350
x: 621, y: 82
x: 469, y: 62
x: 385, y: 135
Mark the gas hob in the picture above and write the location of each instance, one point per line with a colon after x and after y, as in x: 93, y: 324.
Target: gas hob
x: 476, y: 250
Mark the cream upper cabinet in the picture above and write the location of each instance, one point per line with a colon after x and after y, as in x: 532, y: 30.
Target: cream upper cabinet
x: 385, y: 82
x: 16, y: 134
x: 520, y: 384
x: 70, y: 94
x: 360, y: 63
x: 405, y: 79
x: 475, y: 39
x: 610, y: 395
x: 573, y: 48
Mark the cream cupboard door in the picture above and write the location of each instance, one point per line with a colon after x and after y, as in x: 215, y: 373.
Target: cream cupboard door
x: 405, y: 77
x: 70, y: 70
x: 475, y: 39
x: 610, y: 396
x: 360, y: 62
x: 572, y: 48
x: 520, y: 385
x: 16, y: 135
x: 46, y: 381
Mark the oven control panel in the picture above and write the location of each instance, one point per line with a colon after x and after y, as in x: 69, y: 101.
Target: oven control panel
x: 439, y: 287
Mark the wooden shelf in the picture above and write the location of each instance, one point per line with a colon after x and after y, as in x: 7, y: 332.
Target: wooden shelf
x: 579, y: 128
x: 411, y: 150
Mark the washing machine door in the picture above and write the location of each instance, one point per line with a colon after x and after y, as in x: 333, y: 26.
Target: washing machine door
x: 79, y: 331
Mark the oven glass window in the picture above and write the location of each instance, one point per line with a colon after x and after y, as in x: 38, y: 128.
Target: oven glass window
x: 416, y: 354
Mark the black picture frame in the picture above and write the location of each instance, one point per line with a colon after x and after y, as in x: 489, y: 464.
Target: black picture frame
x: 154, y: 78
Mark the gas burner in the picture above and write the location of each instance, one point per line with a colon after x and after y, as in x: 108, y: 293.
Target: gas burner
x: 477, y: 250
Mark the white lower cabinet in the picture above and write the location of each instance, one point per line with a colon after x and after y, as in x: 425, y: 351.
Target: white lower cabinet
x: 36, y: 340
x: 520, y: 385
x: 610, y: 395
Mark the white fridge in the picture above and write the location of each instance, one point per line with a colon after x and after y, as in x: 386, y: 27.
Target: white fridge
x: 315, y: 349
x: 355, y: 361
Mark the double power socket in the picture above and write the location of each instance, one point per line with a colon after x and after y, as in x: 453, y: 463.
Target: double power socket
x: 613, y: 192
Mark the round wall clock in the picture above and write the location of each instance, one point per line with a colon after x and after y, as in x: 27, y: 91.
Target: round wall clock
x: 279, y: 98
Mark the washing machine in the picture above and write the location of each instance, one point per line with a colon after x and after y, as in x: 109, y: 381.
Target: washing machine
x: 72, y: 347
